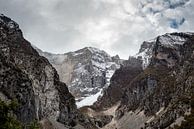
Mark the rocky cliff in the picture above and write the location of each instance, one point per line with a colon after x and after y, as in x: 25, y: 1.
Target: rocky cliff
x: 153, y: 90
x: 123, y: 76
x: 160, y: 96
x: 86, y: 71
x: 145, y: 52
x: 32, y: 81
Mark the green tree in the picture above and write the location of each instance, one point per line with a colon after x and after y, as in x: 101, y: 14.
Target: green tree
x: 7, y: 119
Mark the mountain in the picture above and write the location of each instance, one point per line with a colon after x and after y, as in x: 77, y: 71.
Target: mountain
x: 87, y: 72
x: 30, y: 79
x: 159, y: 95
x: 152, y: 90
x: 42, y: 79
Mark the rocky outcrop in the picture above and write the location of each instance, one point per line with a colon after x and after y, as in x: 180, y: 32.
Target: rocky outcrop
x: 86, y: 71
x: 31, y: 79
x: 155, y: 96
x: 102, y: 120
x: 145, y: 52
x: 15, y: 84
x: 119, y: 82
x: 163, y: 90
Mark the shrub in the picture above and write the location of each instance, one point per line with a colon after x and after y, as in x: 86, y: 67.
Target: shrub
x: 7, y: 119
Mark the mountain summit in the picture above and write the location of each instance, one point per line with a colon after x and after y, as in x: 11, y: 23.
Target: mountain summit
x: 87, y: 72
x: 160, y: 95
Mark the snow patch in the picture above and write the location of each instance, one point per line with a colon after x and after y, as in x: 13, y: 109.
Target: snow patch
x: 145, y: 58
x: 91, y: 71
x: 89, y: 100
x: 77, y: 53
x: 171, y: 40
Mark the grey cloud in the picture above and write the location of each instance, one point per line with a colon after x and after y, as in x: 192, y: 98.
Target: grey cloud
x: 117, y: 26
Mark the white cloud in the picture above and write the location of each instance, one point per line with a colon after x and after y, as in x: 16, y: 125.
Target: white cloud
x: 117, y: 26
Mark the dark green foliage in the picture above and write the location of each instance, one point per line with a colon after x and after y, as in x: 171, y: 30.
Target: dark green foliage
x: 34, y: 125
x: 7, y: 119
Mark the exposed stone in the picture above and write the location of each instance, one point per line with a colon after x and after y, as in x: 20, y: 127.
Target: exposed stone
x: 119, y: 82
x: 164, y: 88
x: 86, y: 71
x: 31, y: 79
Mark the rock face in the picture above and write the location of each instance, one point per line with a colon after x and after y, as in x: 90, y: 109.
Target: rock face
x: 123, y: 76
x: 160, y: 95
x: 155, y: 96
x: 145, y: 52
x: 86, y: 71
x: 15, y: 84
x: 31, y: 79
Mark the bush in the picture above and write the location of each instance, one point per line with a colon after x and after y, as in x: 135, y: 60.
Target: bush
x: 34, y: 125
x: 7, y: 119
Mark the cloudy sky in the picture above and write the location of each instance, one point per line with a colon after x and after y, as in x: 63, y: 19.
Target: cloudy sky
x: 116, y: 26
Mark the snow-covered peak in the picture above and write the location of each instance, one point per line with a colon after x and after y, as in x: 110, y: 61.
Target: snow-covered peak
x: 91, y: 52
x: 166, y: 40
x: 86, y: 71
x: 171, y: 39
x: 95, y: 50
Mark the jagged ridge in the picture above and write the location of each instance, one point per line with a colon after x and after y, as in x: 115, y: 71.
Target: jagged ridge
x: 160, y: 95
x: 87, y: 72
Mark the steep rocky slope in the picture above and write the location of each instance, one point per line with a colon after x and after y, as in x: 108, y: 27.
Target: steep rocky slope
x: 31, y: 79
x: 159, y: 96
x: 86, y: 71
x: 145, y: 52
x: 152, y: 91
x: 123, y: 76
x: 167, y: 82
